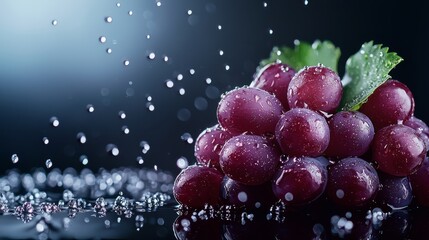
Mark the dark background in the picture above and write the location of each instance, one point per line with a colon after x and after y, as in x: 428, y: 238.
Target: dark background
x: 48, y: 70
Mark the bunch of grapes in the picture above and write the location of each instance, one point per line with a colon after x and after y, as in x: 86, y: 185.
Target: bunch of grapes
x: 283, y: 139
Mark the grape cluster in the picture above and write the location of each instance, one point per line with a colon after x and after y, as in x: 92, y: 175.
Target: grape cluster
x: 283, y: 139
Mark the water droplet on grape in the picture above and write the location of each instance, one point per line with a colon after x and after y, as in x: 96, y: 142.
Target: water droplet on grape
x: 339, y: 193
x: 14, y: 158
x: 288, y: 196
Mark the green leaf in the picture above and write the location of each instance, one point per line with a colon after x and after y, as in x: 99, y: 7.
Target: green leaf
x: 305, y: 54
x: 365, y: 71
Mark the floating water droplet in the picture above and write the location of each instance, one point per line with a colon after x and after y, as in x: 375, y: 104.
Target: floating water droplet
x: 45, y: 140
x: 305, y: 2
x: 14, y: 158
x: 189, y: 12
x: 48, y: 163
x: 122, y: 114
x: 108, y: 19
x: 130, y: 13
x: 81, y: 138
x: 83, y: 159
x: 219, y: 27
x: 126, y: 62
x: 208, y: 80
x: 148, y: 36
x: 140, y: 160
x: 221, y: 52
x: 149, y: 98
x: 187, y: 137
x: 265, y: 4
x: 112, y: 149
x: 182, y: 163
x: 125, y: 130
x: 227, y: 67
x: 90, y: 108
x: 184, y: 114
x: 109, y: 50
x: 151, y: 56
x: 54, y: 22
x: 242, y: 197
x: 150, y: 106
x: 169, y: 83
x: 145, y: 146
x: 201, y: 103
x: 158, y: 4
x: 102, y: 39
x: 179, y: 77
x: 155, y: 167
x: 129, y: 92
x: 54, y: 121
x: 165, y: 58
x: 118, y: 4
x: 182, y: 91
x: 270, y: 31
x: 192, y: 71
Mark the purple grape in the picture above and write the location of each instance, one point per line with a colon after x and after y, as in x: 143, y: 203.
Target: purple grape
x: 419, y: 183
x: 275, y: 78
x: 391, y: 103
x: 238, y: 194
x: 302, y: 132
x: 398, y: 150
x: 295, y: 173
x: 394, y: 192
x: 352, y: 182
x: 208, y: 146
x: 196, y: 186
x: 249, y: 159
x: 249, y: 110
x: 351, y: 134
x: 317, y: 88
x: 421, y: 128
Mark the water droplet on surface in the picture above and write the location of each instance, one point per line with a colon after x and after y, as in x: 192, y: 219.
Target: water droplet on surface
x: 54, y: 121
x: 305, y: 2
x: 109, y: 50
x: 270, y: 31
x: 227, y: 67
x: 165, y: 58
x: 179, y: 77
x: 219, y: 27
x: 220, y: 52
x: 192, y: 71
x: 118, y: 4
x: 81, y: 138
x: 265, y: 4
x: 48, y: 163
x: 130, y: 13
x: 45, y: 140
x: 182, y: 163
x: 14, y: 158
x: 108, y: 19
x: 148, y: 36
x: 112, y: 149
x: 54, y: 22
x: 102, y: 39
x: 182, y: 91
x: 189, y: 12
x: 208, y: 80
x: 126, y: 62
x: 151, y: 56
x: 83, y: 159
x: 158, y: 4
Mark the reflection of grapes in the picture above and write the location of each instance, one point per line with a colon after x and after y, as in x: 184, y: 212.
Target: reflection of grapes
x: 419, y: 184
x: 394, y: 192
